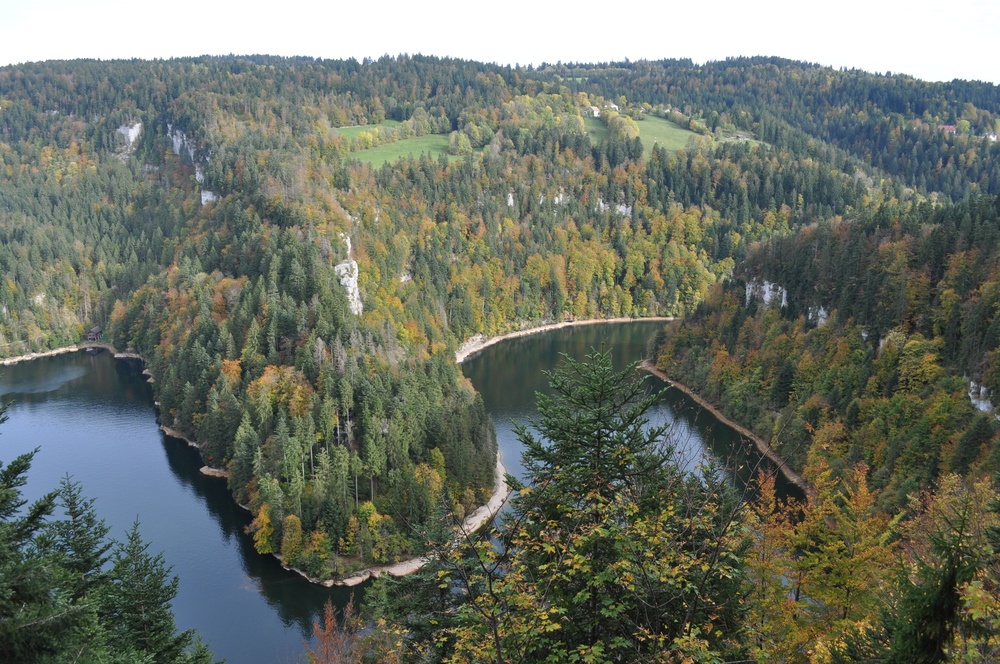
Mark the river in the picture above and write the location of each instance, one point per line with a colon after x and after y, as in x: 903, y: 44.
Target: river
x: 93, y: 417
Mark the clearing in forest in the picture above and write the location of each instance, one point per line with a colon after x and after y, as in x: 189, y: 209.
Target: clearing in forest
x: 434, y: 144
x: 666, y: 134
x: 598, y: 130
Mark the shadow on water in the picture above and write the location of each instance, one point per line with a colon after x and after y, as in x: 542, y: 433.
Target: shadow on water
x: 43, y: 379
x: 93, y: 417
x: 296, y: 601
x: 742, y: 460
x: 79, y: 376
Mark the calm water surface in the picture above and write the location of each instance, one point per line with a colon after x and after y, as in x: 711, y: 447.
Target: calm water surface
x: 510, y: 373
x: 93, y: 417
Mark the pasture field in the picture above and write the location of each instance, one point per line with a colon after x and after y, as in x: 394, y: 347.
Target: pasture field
x: 652, y: 131
x: 668, y: 135
x: 434, y: 144
x: 597, y: 130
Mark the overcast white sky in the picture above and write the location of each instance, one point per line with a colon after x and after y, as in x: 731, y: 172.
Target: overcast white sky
x: 930, y: 40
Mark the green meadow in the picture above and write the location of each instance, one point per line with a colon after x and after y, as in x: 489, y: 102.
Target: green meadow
x: 666, y: 134
x: 652, y: 131
x: 597, y: 130
x: 434, y: 144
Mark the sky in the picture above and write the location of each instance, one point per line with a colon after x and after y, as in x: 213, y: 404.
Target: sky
x: 929, y: 40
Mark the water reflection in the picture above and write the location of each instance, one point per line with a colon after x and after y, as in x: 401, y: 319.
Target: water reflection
x: 93, y: 417
x: 296, y: 602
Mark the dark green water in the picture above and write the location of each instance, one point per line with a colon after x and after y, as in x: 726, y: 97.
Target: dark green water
x: 509, y: 374
x: 93, y: 417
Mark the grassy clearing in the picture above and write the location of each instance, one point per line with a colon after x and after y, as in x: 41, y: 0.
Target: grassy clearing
x: 652, y: 131
x: 657, y: 131
x: 434, y: 144
x: 597, y: 130
x: 351, y: 132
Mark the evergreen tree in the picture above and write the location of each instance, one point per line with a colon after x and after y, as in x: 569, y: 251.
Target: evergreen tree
x: 930, y: 611
x: 57, y: 604
x: 970, y: 443
x: 79, y: 539
x: 246, y: 446
x: 612, y: 552
x: 34, y: 611
x: 135, y: 605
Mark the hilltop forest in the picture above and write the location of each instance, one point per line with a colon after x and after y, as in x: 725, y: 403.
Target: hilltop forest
x: 828, y: 240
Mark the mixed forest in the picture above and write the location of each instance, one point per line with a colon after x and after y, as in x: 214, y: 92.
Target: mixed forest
x: 827, y: 239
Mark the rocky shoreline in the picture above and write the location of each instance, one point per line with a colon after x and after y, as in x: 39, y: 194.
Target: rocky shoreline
x: 83, y: 345
x: 173, y: 433
x: 501, y: 491
x: 471, y: 524
x: 762, y: 445
x: 477, y: 343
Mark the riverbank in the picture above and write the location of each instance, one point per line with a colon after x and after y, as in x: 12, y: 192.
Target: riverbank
x: 174, y: 433
x: 470, y: 525
x: 762, y: 445
x: 477, y: 343
x: 103, y: 345
x: 501, y: 491
x: 83, y: 345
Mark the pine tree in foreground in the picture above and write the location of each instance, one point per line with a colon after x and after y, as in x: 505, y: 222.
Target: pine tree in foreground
x: 58, y: 604
x: 611, y: 552
x: 136, y: 603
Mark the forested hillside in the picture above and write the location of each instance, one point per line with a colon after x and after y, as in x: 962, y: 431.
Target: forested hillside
x: 892, y: 122
x: 869, y: 353
x: 299, y: 309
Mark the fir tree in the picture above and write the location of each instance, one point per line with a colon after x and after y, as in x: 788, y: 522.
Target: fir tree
x: 79, y: 539
x: 612, y: 552
x: 135, y: 605
x: 34, y: 612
